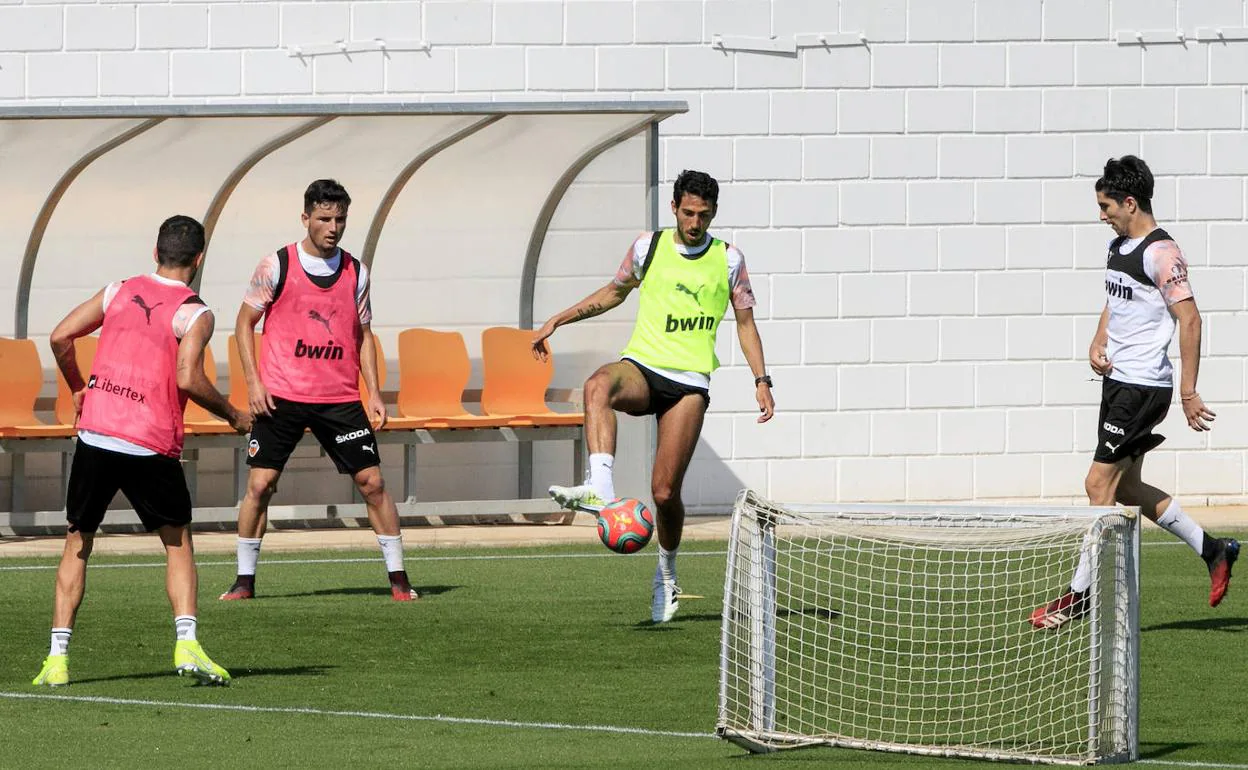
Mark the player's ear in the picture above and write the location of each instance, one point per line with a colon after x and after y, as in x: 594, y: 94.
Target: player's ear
x: 155, y: 256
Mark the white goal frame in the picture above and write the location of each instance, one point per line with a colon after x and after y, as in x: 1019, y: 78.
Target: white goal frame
x: 764, y: 706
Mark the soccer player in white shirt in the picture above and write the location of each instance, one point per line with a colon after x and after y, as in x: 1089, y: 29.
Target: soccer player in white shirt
x: 1147, y: 295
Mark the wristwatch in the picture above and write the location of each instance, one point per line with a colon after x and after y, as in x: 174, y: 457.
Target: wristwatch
x: 761, y: 380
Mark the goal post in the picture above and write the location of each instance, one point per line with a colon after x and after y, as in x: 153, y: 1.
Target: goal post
x: 905, y: 628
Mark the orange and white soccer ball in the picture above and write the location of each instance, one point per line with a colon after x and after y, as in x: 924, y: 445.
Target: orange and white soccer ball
x: 625, y: 525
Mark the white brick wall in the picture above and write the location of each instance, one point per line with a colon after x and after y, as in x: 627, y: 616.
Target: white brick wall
x: 917, y: 213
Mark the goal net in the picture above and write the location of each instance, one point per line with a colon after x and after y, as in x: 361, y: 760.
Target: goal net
x: 905, y: 628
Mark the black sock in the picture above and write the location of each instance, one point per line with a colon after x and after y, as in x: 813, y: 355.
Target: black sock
x: 1208, y: 548
x: 399, y: 577
x: 246, y: 581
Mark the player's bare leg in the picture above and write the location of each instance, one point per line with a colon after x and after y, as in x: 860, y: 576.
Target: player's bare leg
x: 383, y: 516
x: 182, y: 585
x: 1218, y: 553
x: 1101, y: 485
x: 617, y: 386
x: 71, y: 584
x: 679, y: 429
x: 253, y: 517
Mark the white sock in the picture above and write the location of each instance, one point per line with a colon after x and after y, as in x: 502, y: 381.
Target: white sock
x: 391, y: 551
x: 667, y: 565
x: 185, y: 626
x: 60, y: 641
x: 1179, y: 524
x: 248, y: 555
x: 1082, y: 580
x: 600, y: 476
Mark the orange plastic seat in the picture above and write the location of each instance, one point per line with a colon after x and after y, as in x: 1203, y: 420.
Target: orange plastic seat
x: 28, y: 356
x: 433, y: 370
x: 21, y: 378
x: 516, y: 381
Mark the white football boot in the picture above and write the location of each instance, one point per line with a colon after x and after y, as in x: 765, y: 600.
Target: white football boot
x: 665, y: 600
x: 579, y: 498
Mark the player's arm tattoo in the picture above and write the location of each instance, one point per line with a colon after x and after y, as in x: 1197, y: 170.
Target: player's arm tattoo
x: 589, y: 311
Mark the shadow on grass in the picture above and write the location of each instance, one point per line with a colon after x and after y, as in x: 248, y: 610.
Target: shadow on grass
x: 424, y: 591
x: 235, y: 673
x: 1158, y: 750
x: 314, y: 670
x: 1228, y: 625
x: 674, y: 623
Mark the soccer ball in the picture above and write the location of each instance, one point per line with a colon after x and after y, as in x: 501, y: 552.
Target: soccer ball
x: 625, y: 525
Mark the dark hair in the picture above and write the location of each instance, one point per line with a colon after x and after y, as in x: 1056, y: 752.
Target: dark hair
x: 179, y: 241
x: 325, y: 192
x: 697, y: 183
x: 1126, y: 177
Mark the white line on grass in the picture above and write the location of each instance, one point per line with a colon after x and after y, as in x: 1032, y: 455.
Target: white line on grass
x: 1171, y: 763
x: 409, y: 557
x: 441, y: 718
x: 358, y: 715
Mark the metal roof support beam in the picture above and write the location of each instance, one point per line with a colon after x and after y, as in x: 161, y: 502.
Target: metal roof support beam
x: 400, y: 181
x: 653, y: 196
x: 528, y: 276
x: 35, y: 239
x: 235, y: 178
x: 533, y: 253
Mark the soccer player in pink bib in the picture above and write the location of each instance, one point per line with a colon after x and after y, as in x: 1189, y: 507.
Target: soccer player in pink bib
x: 150, y: 359
x: 314, y: 299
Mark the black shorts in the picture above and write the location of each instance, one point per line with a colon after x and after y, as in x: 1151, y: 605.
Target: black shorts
x: 1128, y: 415
x: 342, y: 429
x: 664, y: 393
x: 154, y: 484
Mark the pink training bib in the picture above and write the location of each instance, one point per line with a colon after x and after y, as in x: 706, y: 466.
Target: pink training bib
x: 132, y: 391
x: 310, y: 351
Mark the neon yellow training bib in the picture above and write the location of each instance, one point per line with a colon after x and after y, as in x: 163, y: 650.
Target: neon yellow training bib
x: 683, y: 300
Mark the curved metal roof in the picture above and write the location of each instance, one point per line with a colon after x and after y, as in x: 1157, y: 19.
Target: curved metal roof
x: 87, y: 186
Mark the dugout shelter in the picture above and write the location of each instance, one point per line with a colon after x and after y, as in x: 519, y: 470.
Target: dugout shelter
x: 470, y: 215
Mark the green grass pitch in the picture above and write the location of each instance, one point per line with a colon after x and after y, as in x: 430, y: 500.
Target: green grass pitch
x: 505, y: 663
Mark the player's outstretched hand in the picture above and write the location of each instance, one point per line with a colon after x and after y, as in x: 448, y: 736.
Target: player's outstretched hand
x: 241, y: 421
x: 260, y: 400
x: 541, y: 351
x: 766, y: 404
x: 1199, y: 416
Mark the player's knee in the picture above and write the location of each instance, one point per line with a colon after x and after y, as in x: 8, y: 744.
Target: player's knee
x: 598, y: 388
x: 261, y: 490
x: 664, y: 494
x: 370, y: 484
x: 1096, y: 486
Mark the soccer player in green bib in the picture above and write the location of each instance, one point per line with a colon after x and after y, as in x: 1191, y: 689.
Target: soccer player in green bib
x: 687, y: 279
